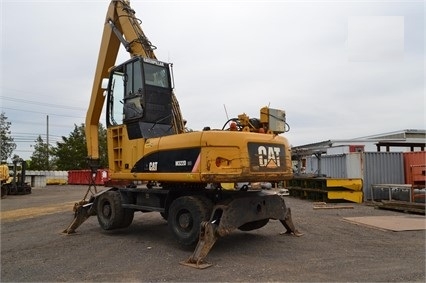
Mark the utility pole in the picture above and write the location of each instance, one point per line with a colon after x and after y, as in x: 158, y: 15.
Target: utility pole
x: 47, y: 142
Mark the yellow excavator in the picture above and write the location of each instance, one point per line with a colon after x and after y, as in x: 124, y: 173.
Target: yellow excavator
x: 175, y: 172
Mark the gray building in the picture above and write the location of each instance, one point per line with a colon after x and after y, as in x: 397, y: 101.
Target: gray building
x: 376, y: 159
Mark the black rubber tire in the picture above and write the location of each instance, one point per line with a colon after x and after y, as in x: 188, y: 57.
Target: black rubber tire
x: 128, y: 214
x: 185, y: 216
x: 27, y: 189
x: 3, y: 191
x: 253, y: 225
x: 110, y: 214
x: 11, y: 190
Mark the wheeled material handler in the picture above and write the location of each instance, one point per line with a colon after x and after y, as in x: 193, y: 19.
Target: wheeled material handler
x: 173, y: 171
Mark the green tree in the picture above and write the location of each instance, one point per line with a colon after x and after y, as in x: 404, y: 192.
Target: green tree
x: 71, y: 152
x: 7, y: 144
x: 103, y: 150
x: 41, y: 157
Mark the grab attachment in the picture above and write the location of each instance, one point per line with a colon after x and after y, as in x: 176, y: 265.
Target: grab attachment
x: 244, y: 213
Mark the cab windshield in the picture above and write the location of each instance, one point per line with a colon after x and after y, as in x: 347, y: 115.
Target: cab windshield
x: 156, y: 75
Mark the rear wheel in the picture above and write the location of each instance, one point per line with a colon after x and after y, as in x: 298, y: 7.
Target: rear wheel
x: 185, y: 216
x: 109, y: 211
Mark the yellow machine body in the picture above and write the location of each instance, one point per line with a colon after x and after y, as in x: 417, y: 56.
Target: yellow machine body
x: 204, y: 156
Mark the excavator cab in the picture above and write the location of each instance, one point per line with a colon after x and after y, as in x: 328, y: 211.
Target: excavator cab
x: 140, y: 96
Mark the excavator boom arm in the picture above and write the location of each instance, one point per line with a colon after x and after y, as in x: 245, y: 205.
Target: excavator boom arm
x: 121, y: 25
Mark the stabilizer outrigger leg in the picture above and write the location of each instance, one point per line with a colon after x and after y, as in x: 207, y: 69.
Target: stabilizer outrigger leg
x: 83, y: 209
x: 289, y: 226
x: 244, y: 213
x: 208, y: 237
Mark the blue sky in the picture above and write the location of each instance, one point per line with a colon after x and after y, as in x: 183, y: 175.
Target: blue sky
x: 340, y: 69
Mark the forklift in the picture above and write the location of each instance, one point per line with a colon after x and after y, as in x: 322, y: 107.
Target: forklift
x: 16, y: 184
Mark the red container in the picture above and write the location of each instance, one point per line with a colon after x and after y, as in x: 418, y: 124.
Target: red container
x: 415, y: 168
x: 356, y: 148
x: 83, y: 177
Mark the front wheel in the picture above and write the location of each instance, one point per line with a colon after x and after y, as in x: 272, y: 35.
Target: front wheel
x: 110, y: 213
x: 185, y: 216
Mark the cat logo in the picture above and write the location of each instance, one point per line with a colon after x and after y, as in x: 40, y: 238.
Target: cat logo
x: 269, y: 156
x: 153, y: 166
x: 265, y: 157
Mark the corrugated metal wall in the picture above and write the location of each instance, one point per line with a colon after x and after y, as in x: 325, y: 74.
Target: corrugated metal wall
x: 382, y: 168
x: 311, y: 165
x: 334, y: 166
x: 349, y: 165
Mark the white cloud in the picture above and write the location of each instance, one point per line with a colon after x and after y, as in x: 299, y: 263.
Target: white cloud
x: 376, y: 38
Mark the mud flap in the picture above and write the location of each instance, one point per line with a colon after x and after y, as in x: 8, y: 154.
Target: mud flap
x: 227, y: 217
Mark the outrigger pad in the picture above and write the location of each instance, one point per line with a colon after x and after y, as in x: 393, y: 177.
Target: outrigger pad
x: 196, y: 265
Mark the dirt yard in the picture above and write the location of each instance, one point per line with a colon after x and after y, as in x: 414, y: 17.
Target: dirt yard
x: 331, y: 249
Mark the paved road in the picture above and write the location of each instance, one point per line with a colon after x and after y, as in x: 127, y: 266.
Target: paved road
x: 33, y: 249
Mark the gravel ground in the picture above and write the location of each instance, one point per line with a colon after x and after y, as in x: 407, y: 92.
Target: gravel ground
x: 331, y: 250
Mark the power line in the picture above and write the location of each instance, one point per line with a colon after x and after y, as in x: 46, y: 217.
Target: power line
x: 53, y: 125
x: 44, y: 113
x: 24, y: 134
x: 42, y: 103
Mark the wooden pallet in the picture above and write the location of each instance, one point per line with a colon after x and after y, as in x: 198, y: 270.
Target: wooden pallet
x: 404, y: 206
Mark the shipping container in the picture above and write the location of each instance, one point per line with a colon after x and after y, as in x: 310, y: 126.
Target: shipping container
x: 83, y: 177
x: 415, y: 168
